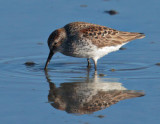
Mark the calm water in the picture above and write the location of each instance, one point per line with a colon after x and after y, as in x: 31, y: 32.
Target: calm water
x: 68, y: 92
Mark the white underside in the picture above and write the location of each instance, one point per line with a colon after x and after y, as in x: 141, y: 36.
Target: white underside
x: 88, y: 50
x: 100, y: 52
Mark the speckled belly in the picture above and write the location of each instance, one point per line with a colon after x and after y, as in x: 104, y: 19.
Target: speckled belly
x: 79, y: 49
x: 87, y: 50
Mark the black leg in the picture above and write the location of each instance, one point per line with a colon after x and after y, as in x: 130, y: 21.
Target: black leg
x: 89, y: 64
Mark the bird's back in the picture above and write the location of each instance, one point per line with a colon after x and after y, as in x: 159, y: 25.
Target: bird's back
x: 100, y: 36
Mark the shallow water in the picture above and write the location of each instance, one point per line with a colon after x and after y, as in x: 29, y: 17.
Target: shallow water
x: 125, y: 88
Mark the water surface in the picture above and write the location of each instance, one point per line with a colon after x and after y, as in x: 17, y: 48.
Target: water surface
x: 68, y: 92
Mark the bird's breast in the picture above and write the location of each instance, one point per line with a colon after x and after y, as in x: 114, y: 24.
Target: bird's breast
x: 78, y: 48
x: 85, y: 49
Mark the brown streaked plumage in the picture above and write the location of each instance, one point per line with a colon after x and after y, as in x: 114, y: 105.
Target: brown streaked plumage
x: 70, y: 97
x: 86, y: 40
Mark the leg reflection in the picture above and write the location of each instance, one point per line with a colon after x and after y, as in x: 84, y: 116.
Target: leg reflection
x: 88, y: 95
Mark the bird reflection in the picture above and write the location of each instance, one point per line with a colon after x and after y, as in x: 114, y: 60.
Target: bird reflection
x: 87, y: 96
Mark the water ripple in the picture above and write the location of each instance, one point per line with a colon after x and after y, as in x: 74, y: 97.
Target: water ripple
x: 61, y: 67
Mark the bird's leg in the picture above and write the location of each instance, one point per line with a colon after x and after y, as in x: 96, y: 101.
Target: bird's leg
x: 95, y: 64
x: 89, y: 64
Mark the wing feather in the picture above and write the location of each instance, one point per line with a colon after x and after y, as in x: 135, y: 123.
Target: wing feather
x: 100, y: 35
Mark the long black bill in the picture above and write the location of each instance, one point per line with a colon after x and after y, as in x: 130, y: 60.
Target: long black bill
x: 48, y: 59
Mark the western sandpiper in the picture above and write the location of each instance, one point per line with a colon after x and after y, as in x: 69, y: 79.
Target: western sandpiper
x: 86, y: 40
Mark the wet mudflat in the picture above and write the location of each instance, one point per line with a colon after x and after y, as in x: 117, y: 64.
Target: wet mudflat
x: 125, y: 89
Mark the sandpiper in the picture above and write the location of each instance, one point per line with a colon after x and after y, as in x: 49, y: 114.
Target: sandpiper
x: 86, y: 40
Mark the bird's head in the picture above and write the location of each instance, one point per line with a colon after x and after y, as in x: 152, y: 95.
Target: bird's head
x: 55, y: 41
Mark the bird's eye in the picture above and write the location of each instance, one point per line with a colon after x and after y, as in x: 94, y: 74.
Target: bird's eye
x: 55, y: 43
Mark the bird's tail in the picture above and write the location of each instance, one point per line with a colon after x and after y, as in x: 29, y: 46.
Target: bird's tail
x: 140, y: 35
x: 128, y: 36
